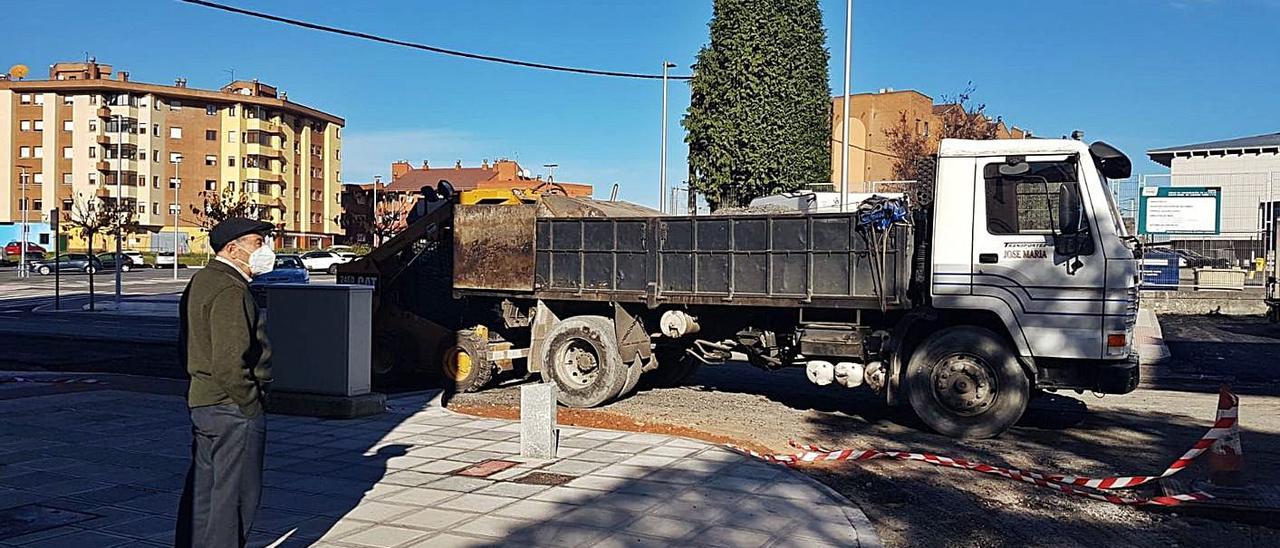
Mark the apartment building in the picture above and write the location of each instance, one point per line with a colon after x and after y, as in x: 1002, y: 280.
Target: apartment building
x: 871, y: 114
x: 71, y: 136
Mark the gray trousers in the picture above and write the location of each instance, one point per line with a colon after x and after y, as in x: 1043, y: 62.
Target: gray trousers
x: 224, y: 483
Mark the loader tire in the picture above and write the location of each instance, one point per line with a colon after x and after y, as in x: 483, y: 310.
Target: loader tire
x: 465, y: 364
x: 581, y: 356
x: 965, y: 382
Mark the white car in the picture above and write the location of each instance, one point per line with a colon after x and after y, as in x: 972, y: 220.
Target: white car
x: 138, y: 261
x: 325, y: 261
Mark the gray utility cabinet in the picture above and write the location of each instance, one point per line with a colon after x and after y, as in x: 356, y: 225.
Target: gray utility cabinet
x: 320, y: 338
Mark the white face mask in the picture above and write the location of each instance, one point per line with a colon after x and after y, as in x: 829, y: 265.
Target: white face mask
x: 262, y: 260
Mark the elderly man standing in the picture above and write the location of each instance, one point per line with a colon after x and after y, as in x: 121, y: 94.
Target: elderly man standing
x: 223, y: 344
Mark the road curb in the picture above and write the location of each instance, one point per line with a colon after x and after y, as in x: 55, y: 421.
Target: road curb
x: 1148, y: 339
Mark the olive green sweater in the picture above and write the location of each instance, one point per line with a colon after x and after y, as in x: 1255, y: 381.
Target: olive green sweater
x: 222, y: 341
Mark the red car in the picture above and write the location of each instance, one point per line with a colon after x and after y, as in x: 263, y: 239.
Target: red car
x: 12, y: 248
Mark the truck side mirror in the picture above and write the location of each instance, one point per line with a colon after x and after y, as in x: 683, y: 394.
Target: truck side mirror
x: 1068, y: 210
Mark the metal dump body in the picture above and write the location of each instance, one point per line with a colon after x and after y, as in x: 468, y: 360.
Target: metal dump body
x: 783, y: 260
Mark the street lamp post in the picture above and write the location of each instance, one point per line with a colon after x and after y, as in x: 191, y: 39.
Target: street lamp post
x: 177, y: 185
x: 22, y: 251
x: 373, y: 209
x: 844, y: 121
x: 662, y: 165
x: 118, y: 259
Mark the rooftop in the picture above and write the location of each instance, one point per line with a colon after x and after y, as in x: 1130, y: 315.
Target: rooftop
x: 1262, y: 143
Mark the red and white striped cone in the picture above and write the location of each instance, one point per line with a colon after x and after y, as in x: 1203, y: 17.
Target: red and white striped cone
x: 1226, y: 457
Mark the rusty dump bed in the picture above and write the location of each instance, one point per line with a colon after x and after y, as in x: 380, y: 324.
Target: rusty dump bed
x: 577, y: 249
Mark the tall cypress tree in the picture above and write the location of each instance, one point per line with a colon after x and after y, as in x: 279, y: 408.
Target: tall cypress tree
x: 759, y: 121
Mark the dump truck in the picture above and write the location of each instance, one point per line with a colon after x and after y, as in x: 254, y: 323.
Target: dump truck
x: 1005, y: 270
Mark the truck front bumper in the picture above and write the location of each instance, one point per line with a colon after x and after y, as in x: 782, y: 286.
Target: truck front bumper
x: 1103, y: 377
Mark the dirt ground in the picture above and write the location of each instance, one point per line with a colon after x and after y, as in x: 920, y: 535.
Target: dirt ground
x: 915, y: 504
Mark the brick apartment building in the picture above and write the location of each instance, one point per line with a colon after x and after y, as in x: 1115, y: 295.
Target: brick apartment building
x: 75, y: 131
x: 870, y: 115
x: 407, y: 181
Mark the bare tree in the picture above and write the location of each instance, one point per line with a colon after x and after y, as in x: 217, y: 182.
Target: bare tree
x: 93, y: 214
x: 961, y: 119
x: 217, y: 207
x: 390, y: 216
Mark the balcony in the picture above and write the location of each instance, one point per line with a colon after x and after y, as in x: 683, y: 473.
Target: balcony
x: 102, y: 165
x: 112, y: 164
x: 262, y: 125
x: 260, y: 149
x: 104, y: 112
x: 261, y: 174
x: 102, y: 139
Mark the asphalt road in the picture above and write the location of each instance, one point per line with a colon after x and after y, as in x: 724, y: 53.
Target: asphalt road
x: 914, y: 504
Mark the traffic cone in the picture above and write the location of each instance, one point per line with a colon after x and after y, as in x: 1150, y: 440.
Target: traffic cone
x: 1226, y: 456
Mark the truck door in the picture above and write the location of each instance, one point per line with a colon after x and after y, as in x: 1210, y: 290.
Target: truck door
x: 1056, y: 298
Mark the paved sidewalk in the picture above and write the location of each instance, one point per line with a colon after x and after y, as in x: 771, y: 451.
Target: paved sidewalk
x: 107, y: 465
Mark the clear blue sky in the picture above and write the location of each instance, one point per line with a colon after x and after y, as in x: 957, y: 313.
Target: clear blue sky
x: 1139, y: 73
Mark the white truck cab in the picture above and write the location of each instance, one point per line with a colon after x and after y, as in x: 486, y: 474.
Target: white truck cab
x: 1028, y: 230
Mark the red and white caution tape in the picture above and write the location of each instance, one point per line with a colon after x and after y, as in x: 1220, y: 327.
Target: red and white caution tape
x: 1228, y: 411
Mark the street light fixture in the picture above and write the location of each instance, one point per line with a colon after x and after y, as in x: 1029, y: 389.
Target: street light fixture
x: 26, y: 204
x: 118, y: 259
x: 662, y: 165
x: 844, y: 121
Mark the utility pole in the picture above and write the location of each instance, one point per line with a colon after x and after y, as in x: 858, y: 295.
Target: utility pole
x: 662, y: 165
x: 373, y: 208
x: 844, y: 121
x: 177, y: 185
x: 119, y: 258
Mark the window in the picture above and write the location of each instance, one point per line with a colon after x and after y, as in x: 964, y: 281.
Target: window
x: 25, y: 99
x: 210, y: 184
x: 142, y: 208
x: 211, y: 110
x: 93, y: 125
x: 155, y: 155
x: 38, y: 178
x: 175, y: 157
x: 24, y: 152
x: 66, y: 178
x: 39, y: 125
x: 142, y: 155
x: 66, y: 205
x: 175, y: 105
x: 39, y: 98
x: 68, y: 152
x: 155, y: 181
x: 39, y: 205
x: 175, y: 182
x: 231, y: 186
x: 175, y: 133
x: 24, y: 125
x: 142, y: 129
x: 211, y: 135
x: 93, y: 178
x: 68, y: 125
x: 231, y: 110
x: 1026, y: 203
x: 66, y: 99
x: 93, y: 152
x: 141, y: 180
x: 210, y: 160
x: 231, y: 136
x: 155, y: 130
x: 231, y: 161
x: 155, y: 208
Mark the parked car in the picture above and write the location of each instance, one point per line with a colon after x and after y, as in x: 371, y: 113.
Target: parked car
x: 165, y: 260
x: 15, y: 248
x: 109, y: 262
x: 288, y: 270
x: 138, y: 260
x: 69, y: 262
x: 32, y: 258
x: 325, y: 261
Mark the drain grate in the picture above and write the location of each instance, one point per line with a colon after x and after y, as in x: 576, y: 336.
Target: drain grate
x: 37, y: 517
x: 544, y: 478
x: 484, y: 468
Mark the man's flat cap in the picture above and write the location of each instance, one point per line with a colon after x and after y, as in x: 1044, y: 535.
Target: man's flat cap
x: 230, y: 229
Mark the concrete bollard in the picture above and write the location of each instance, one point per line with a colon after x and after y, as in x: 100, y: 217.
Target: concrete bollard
x: 539, y: 437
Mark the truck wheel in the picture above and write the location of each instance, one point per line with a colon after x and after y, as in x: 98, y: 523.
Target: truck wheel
x: 964, y: 382
x: 581, y: 356
x: 466, y: 363
x: 675, y: 368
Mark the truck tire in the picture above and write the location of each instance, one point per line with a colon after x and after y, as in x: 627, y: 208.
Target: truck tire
x: 581, y: 356
x: 634, y: 370
x: 466, y: 364
x: 965, y: 382
x: 675, y: 368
